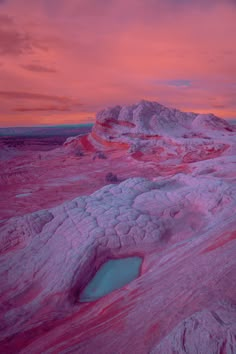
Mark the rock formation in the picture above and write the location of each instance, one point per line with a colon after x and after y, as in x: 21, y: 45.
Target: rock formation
x: 148, y: 127
x: 177, y: 213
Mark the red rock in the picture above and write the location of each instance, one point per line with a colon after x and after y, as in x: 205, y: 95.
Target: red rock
x: 180, y: 219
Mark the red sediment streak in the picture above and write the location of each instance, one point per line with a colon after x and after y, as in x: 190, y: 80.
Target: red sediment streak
x: 152, y: 332
x: 109, y: 144
x: 150, y: 137
x: 137, y: 155
x: 229, y: 129
x: 204, y: 154
x: 6, y: 248
x: 112, y: 315
x: 105, y: 125
x: 26, y: 296
x: 221, y: 241
x: 171, y: 170
x: 109, y: 308
x: 75, y: 328
x: 86, y: 144
x: 58, y: 331
x: 20, y: 340
x: 122, y: 123
x: 143, y: 136
x: 110, y: 122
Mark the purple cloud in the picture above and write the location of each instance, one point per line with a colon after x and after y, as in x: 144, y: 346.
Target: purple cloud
x: 12, y: 41
x: 38, y: 68
x: 32, y: 96
x: 37, y: 102
x: 15, y: 41
x: 42, y: 109
x: 179, y: 83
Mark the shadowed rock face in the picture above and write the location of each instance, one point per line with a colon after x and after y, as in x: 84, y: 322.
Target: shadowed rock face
x: 179, y: 220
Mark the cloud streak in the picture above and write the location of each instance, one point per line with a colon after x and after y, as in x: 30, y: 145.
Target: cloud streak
x: 18, y: 95
x: 42, y: 109
x: 12, y: 41
x: 38, y: 68
x: 15, y: 40
x: 37, y: 102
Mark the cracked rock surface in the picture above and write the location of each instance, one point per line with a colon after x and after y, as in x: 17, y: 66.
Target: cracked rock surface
x: 186, y: 236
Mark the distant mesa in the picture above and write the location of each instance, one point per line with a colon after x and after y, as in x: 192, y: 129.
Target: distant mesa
x: 45, y: 130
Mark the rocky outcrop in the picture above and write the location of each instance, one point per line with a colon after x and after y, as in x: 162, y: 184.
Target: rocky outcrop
x: 147, y: 120
x: 179, y: 219
x: 148, y: 127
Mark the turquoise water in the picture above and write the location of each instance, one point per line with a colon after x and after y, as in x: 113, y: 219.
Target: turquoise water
x: 112, y: 275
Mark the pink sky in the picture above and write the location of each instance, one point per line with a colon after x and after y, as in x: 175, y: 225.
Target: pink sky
x: 62, y: 60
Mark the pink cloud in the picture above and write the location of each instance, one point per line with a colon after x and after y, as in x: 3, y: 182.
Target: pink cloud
x: 16, y: 95
x: 111, y: 52
x: 42, y: 109
x: 38, y: 68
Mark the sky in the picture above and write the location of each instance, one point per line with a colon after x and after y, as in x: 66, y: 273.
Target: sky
x: 63, y: 60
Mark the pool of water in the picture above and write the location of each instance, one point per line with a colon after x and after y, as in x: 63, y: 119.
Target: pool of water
x: 112, y: 275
